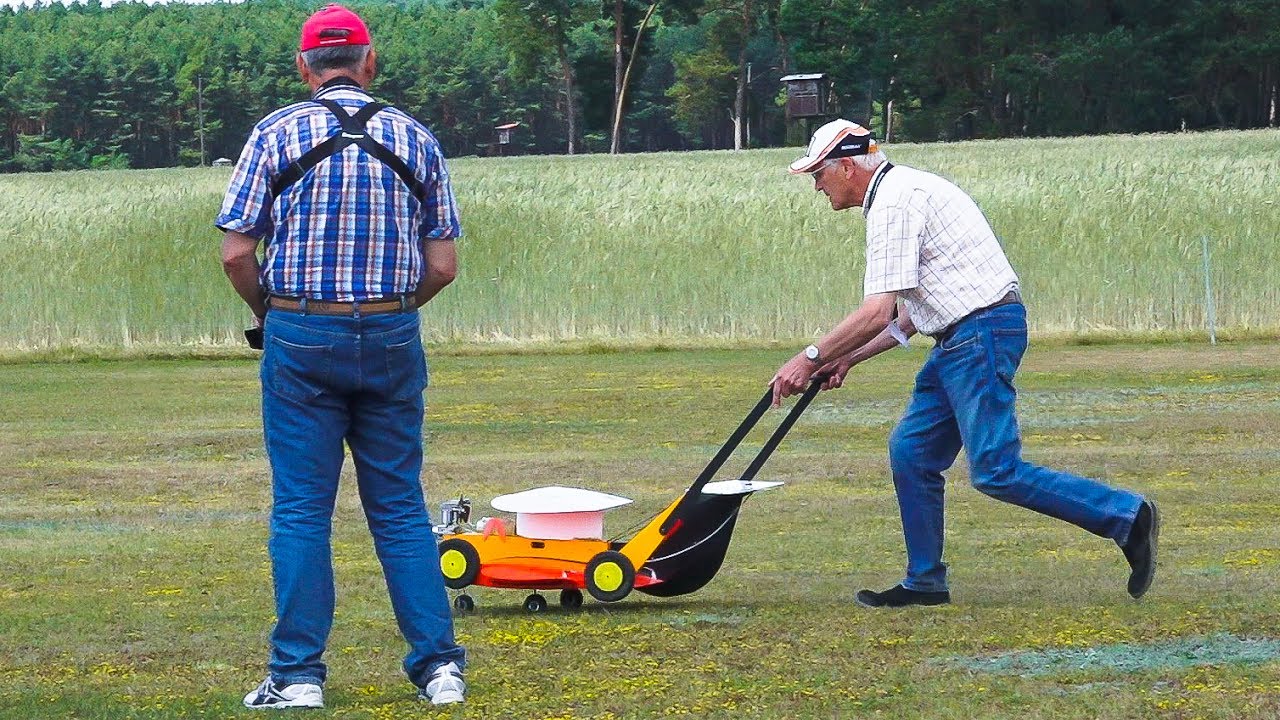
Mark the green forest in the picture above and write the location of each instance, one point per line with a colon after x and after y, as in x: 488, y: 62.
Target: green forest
x: 140, y: 86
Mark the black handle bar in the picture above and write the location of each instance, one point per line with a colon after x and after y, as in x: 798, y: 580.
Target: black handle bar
x: 782, y: 429
x: 741, y: 432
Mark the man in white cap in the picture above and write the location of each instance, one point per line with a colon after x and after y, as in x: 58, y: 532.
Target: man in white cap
x: 929, y: 245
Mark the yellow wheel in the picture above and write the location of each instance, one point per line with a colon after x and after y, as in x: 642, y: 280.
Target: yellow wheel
x: 610, y: 576
x: 459, y: 563
x: 607, y: 577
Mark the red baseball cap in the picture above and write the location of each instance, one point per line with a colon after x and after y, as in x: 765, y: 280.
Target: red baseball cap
x: 332, y: 26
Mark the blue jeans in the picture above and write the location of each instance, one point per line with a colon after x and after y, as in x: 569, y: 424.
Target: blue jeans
x: 328, y: 379
x: 964, y: 396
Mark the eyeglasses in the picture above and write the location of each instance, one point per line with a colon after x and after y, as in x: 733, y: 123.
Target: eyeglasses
x: 818, y: 171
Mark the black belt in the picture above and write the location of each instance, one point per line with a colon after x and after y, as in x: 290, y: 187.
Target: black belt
x: 943, y: 335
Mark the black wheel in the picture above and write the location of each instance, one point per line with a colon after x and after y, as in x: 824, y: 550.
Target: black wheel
x: 571, y: 598
x: 464, y: 604
x: 610, y: 576
x: 459, y: 563
x: 535, y: 603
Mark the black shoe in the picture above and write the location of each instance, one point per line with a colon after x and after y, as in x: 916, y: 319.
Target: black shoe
x: 1140, y: 549
x: 898, y: 596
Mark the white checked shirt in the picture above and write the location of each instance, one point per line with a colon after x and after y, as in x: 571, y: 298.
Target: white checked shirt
x: 928, y: 241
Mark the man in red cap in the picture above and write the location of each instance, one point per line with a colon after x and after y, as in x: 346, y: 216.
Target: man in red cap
x: 352, y: 201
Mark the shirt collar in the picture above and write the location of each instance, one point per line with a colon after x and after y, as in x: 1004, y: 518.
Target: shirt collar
x: 341, y: 82
x: 874, y: 185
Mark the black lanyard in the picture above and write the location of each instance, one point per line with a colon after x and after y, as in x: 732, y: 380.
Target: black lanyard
x: 875, y: 185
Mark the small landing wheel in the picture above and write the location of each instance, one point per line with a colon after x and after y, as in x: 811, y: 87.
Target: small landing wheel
x: 535, y: 603
x: 571, y: 598
x: 464, y: 604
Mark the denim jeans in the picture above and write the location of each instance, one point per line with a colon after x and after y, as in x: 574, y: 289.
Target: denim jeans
x: 964, y: 396
x: 327, y: 379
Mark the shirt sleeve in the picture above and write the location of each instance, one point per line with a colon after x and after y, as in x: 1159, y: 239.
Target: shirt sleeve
x: 893, y: 249
x: 440, y: 212
x: 246, y: 208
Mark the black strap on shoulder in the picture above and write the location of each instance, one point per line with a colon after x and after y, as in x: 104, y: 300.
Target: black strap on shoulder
x: 352, y: 130
x: 871, y: 194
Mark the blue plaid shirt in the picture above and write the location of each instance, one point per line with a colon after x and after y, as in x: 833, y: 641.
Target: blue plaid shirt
x: 350, y: 229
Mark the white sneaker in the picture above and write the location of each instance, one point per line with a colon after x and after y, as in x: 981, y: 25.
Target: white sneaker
x: 445, y: 686
x: 297, y: 695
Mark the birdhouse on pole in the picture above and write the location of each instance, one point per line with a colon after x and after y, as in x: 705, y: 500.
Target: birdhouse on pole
x: 806, y: 95
x: 504, y: 136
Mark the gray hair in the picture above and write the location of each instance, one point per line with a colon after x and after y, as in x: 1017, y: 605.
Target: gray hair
x: 340, y: 57
x: 870, y: 161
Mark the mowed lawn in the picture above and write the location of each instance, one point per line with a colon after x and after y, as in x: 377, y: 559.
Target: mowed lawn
x: 134, y: 581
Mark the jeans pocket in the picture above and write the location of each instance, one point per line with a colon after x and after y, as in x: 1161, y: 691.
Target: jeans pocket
x: 406, y: 369
x: 1008, y: 345
x: 298, y: 372
x: 953, y: 344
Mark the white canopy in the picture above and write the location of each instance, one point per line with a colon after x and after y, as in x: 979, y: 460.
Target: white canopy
x: 557, y: 499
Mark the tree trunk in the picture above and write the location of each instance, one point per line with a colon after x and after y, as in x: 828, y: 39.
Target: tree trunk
x: 740, y: 100
x: 888, y: 111
x: 1271, y: 119
x: 616, y: 145
x: 740, y: 97
x: 1270, y: 98
x: 571, y: 112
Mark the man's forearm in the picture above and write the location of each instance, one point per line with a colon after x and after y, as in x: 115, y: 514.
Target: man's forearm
x: 883, y: 341
x: 243, y: 273
x: 851, y: 335
x: 858, y: 329
x: 240, y: 263
x: 440, y: 267
x: 431, y: 285
x: 878, y: 344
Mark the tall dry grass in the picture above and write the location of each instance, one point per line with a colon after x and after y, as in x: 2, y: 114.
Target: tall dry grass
x: 1105, y: 233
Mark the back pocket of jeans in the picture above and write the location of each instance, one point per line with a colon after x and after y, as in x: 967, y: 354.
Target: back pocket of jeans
x: 406, y: 369
x: 297, y: 372
x: 1009, y: 346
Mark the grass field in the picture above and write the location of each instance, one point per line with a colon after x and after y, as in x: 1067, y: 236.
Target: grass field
x: 1105, y: 232
x: 134, y: 581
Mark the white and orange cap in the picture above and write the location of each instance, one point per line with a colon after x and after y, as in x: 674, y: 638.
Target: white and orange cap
x: 836, y: 139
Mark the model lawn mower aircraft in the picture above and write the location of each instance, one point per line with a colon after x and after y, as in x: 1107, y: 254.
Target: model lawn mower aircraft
x: 557, y: 543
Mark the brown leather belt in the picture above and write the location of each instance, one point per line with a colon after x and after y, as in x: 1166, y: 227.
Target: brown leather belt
x: 377, y: 306
x: 1011, y: 297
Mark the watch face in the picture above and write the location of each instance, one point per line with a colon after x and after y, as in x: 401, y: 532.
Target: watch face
x: 811, y: 352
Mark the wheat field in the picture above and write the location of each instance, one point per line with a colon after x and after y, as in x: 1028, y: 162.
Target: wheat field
x: 1106, y: 233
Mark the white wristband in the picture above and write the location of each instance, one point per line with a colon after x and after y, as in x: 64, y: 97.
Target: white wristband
x: 896, y: 333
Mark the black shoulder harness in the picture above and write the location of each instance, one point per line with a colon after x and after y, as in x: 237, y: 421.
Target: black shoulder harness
x: 352, y: 131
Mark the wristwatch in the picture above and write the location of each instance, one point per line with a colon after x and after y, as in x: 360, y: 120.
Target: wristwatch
x: 812, y: 353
